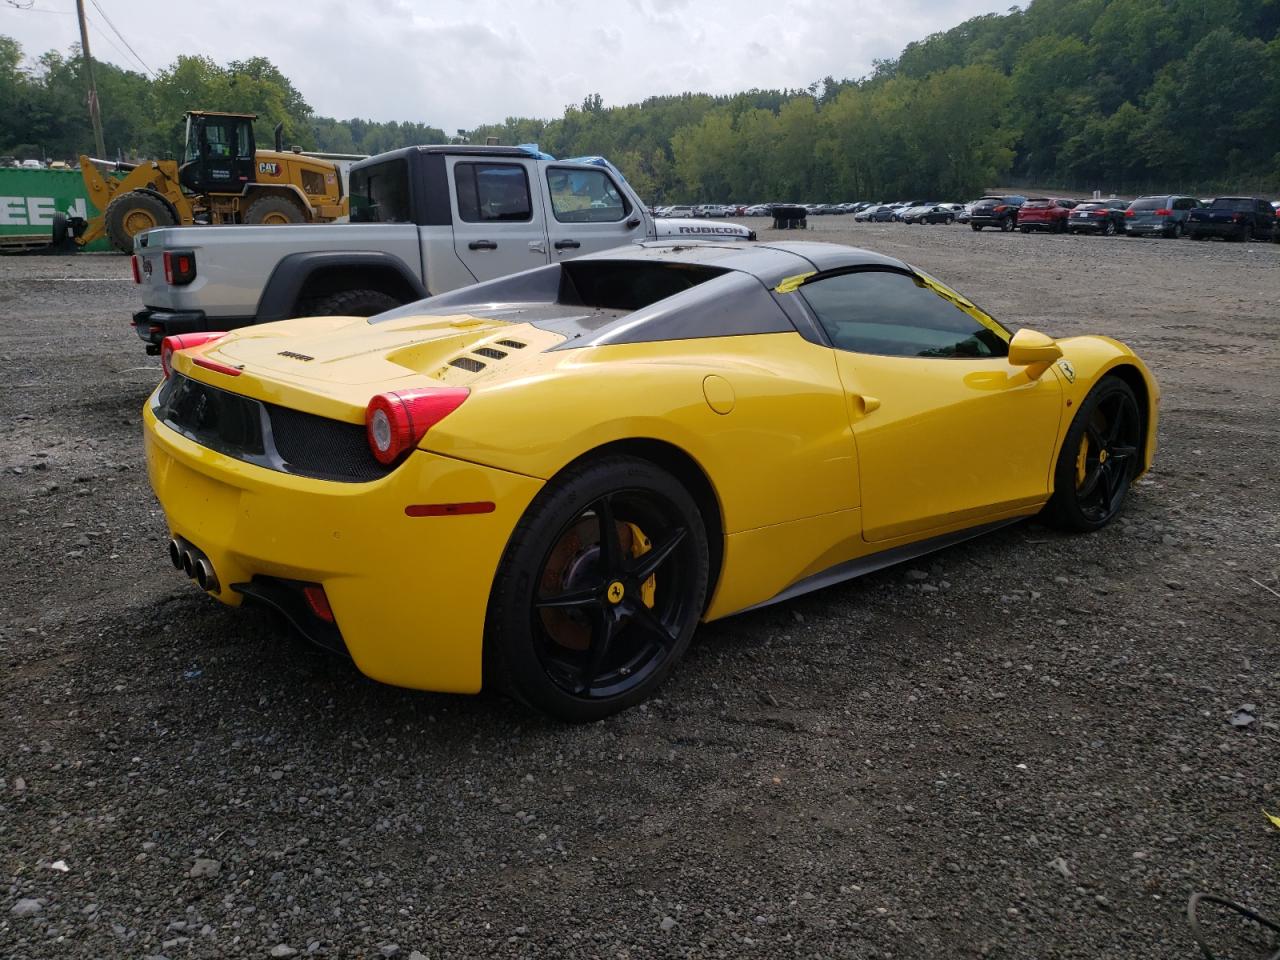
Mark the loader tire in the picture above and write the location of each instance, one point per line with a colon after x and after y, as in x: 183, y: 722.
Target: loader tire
x: 274, y: 210
x: 131, y: 213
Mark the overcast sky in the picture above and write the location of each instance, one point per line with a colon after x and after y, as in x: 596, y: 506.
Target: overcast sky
x: 458, y: 63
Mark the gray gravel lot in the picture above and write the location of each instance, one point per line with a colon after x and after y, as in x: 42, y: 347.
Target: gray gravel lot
x: 1018, y: 748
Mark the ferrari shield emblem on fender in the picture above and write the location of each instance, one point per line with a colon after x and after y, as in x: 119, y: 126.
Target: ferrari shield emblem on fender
x: 1068, y: 370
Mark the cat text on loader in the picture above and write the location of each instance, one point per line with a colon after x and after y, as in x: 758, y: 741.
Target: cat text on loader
x: 222, y: 178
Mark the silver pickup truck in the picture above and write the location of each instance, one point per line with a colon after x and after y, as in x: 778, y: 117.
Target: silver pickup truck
x: 424, y: 220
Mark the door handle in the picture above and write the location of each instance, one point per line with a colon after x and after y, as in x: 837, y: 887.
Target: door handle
x: 862, y: 404
x: 537, y: 246
x: 567, y: 244
x: 482, y: 245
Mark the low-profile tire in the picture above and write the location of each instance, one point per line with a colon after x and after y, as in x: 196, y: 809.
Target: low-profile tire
x: 133, y: 212
x: 1099, y: 459
x: 975, y: 227
x: 1109, y: 228
x: 349, y: 303
x: 274, y: 210
x: 1007, y: 225
x: 582, y: 624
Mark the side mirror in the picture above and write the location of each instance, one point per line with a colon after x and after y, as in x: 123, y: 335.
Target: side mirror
x: 1035, y: 351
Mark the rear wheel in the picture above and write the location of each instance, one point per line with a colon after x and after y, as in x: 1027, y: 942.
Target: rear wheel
x: 1099, y: 459
x: 1007, y: 225
x: 1026, y: 229
x: 599, y: 590
x: 349, y: 303
x: 1196, y: 235
x: 1108, y: 228
x: 976, y: 227
x: 1246, y: 234
x: 274, y: 209
x: 133, y: 212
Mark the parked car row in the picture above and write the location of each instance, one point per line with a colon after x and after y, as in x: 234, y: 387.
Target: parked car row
x: 1166, y: 215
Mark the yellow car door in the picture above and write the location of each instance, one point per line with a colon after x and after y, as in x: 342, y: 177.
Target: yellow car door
x: 947, y: 432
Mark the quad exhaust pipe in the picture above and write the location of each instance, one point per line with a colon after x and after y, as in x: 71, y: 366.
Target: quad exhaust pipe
x: 192, y: 561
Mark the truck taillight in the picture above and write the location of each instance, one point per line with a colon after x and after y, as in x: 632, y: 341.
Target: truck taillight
x: 137, y: 270
x: 171, y: 345
x: 397, y: 422
x: 179, y: 267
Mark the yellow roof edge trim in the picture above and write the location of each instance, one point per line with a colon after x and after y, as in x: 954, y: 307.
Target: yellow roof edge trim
x: 792, y: 284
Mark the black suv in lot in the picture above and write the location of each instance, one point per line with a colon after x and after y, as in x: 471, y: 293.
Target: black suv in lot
x: 1001, y: 212
x: 1240, y: 218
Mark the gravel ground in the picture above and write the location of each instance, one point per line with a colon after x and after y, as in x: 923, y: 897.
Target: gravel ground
x: 1021, y: 747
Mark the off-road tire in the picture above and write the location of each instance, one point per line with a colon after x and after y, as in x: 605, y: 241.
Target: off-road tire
x: 349, y: 303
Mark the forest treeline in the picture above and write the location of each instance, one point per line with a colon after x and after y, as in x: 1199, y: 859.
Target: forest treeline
x: 1114, y: 94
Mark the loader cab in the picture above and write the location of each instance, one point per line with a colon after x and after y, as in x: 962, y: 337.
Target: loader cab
x: 219, y: 155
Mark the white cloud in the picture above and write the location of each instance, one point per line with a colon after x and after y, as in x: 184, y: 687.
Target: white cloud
x: 458, y: 63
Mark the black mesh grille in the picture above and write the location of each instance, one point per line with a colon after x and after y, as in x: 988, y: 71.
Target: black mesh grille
x: 489, y: 352
x: 466, y: 363
x: 514, y: 344
x: 267, y: 435
x: 322, y: 448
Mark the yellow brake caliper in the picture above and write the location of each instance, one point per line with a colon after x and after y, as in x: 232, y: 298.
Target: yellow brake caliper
x: 640, y: 545
x: 1082, y: 462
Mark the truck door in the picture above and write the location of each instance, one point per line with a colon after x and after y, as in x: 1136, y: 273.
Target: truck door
x: 498, y: 224
x: 587, y: 211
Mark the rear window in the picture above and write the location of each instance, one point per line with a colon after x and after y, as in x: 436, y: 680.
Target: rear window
x: 1234, y: 203
x: 626, y: 284
x: 1150, y: 203
x: 380, y: 193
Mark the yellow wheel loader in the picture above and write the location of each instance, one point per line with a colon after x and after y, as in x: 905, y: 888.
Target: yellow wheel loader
x: 222, y: 178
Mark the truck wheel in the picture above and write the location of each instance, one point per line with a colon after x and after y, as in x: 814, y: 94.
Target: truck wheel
x: 349, y: 303
x: 131, y: 213
x: 274, y: 210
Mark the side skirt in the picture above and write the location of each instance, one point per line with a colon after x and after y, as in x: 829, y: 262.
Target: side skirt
x: 852, y: 569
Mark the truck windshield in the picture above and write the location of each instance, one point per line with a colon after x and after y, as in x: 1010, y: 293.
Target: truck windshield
x: 380, y: 193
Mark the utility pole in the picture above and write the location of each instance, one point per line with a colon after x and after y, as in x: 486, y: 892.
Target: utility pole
x: 95, y: 112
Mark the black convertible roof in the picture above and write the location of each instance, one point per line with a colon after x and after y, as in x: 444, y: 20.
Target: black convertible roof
x: 656, y: 290
x: 770, y: 263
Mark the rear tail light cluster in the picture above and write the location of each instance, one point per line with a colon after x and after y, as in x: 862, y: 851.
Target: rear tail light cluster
x: 1130, y: 213
x: 171, y: 345
x: 397, y: 422
x: 179, y: 267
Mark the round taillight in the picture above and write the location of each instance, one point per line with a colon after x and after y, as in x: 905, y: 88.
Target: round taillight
x: 397, y: 422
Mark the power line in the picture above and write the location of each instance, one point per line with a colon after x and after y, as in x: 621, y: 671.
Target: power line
x: 115, y: 29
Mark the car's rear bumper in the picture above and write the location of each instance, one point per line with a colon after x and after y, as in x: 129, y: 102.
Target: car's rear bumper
x: 1025, y: 224
x: 408, y: 593
x: 153, y: 325
x: 1148, y: 226
x: 984, y: 221
x: 1218, y: 229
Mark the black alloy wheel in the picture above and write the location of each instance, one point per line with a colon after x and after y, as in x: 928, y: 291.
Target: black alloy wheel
x: 1099, y: 458
x: 600, y: 590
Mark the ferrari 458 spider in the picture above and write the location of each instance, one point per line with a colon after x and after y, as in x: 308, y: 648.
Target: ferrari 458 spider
x: 545, y: 482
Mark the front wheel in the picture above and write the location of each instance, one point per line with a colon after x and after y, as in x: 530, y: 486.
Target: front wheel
x: 1099, y: 459
x: 1108, y: 228
x: 1007, y: 225
x: 1026, y: 229
x: 976, y: 227
x: 599, y: 590
x: 133, y: 212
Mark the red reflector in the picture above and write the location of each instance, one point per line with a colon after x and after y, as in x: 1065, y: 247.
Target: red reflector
x: 137, y: 271
x: 216, y: 367
x: 448, y: 509
x: 318, y: 601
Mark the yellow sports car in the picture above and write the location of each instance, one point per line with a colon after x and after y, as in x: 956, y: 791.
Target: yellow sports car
x: 546, y: 481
